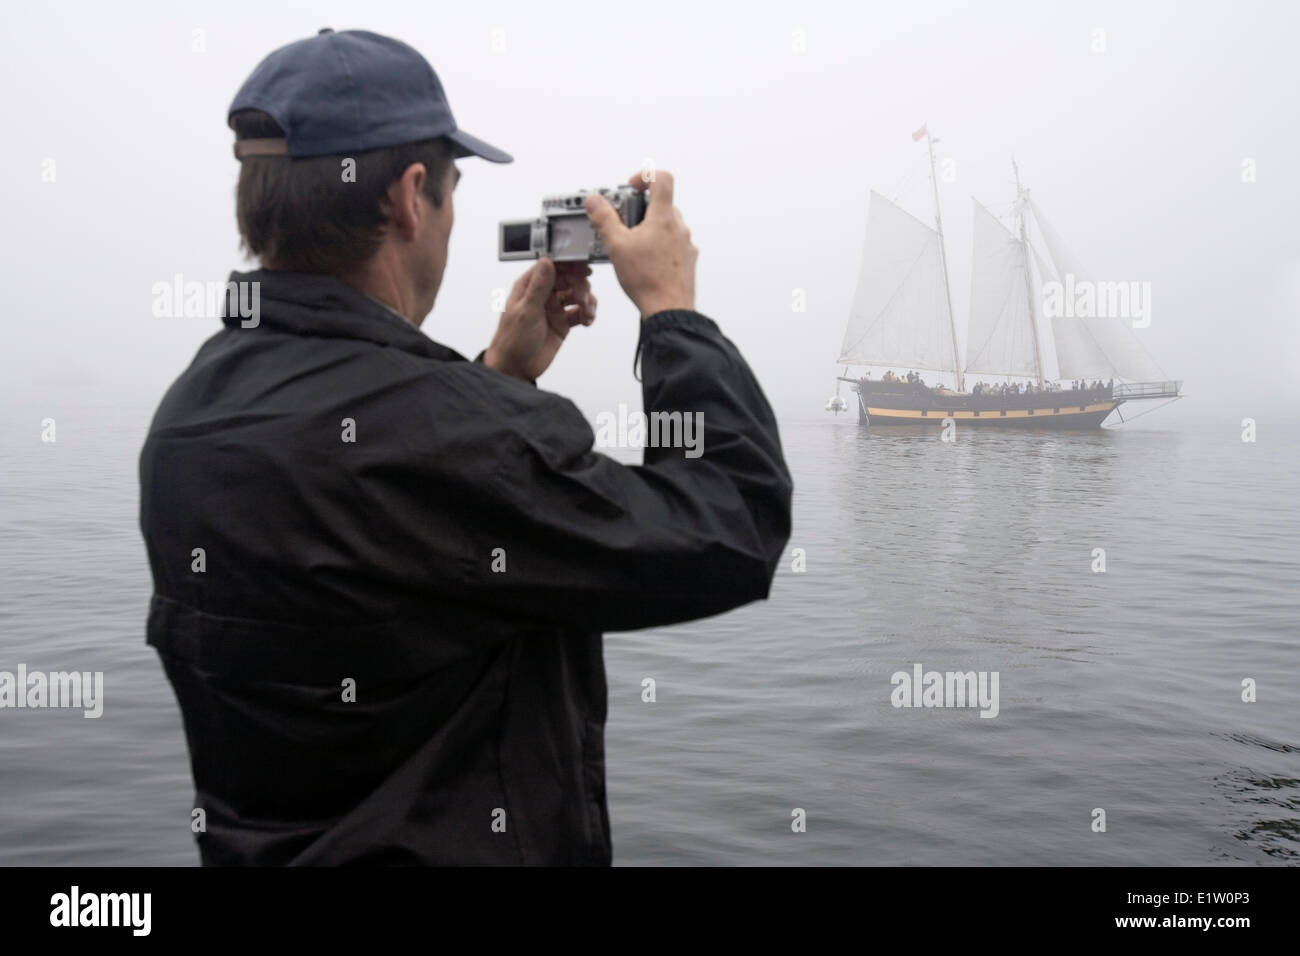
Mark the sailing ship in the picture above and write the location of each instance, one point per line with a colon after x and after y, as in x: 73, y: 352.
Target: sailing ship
x: 902, y: 318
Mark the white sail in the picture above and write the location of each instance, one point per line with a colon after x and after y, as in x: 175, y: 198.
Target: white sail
x: 900, y: 316
x: 1091, y: 347
x: 1000, y: 337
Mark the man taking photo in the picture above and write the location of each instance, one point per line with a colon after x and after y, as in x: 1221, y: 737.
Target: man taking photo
x: 382, y: 571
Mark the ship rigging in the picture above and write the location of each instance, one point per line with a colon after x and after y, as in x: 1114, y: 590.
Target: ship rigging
x: 902, y: 318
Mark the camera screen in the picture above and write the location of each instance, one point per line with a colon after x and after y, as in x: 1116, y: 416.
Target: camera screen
x: 571, y: 238
x: 516, y: 237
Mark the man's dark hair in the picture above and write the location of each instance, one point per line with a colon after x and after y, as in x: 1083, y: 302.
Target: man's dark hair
x: 300, y: 214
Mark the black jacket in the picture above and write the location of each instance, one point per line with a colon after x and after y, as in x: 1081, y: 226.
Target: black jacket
x: 388, y: 650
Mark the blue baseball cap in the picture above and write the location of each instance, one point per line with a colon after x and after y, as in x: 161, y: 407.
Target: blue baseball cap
x: 349, y: 92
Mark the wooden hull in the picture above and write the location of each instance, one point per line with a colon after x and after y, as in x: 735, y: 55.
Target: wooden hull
x: 883, y: 404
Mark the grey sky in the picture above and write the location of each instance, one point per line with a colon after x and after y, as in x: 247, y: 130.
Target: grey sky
x: 1135, y: 154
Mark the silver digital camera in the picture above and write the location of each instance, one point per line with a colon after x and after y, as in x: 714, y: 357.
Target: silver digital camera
x: 563, y: 232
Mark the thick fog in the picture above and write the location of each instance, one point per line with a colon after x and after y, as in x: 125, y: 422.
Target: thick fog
x: 1159, y: 137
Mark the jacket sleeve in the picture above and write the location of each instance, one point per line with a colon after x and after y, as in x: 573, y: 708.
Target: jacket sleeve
x: 568, y: 535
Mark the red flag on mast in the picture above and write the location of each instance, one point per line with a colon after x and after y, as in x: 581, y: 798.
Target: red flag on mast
x: 919, y: 133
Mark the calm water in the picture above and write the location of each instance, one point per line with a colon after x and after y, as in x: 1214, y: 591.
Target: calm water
x: 1119, y: 690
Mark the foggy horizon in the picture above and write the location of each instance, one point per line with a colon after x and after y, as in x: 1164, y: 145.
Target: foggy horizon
x: 1136, y: 153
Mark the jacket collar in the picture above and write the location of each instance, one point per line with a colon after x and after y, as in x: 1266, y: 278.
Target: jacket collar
x: 307, y: 304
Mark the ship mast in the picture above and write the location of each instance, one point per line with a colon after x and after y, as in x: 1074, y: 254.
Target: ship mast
x: 1022, y: 199
x: 943, y: 257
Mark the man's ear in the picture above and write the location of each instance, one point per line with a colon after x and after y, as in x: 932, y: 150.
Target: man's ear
x: 405, y: 211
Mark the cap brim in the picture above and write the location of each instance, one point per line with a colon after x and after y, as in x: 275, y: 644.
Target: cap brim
x: 473, y: 146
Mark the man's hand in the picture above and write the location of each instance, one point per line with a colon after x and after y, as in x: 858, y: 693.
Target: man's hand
x: 655, y: 260
x: 545, y: 302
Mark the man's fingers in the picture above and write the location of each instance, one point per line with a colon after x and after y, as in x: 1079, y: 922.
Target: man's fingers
x: 571, y: 275
x: 576, y: 301
x: 604, y: 220
x: 581, y: 312
x: 572, y: 296
x: 533, y: 285
x: 661, y: 190
x: 520, y: 288
x: 541, y: 280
